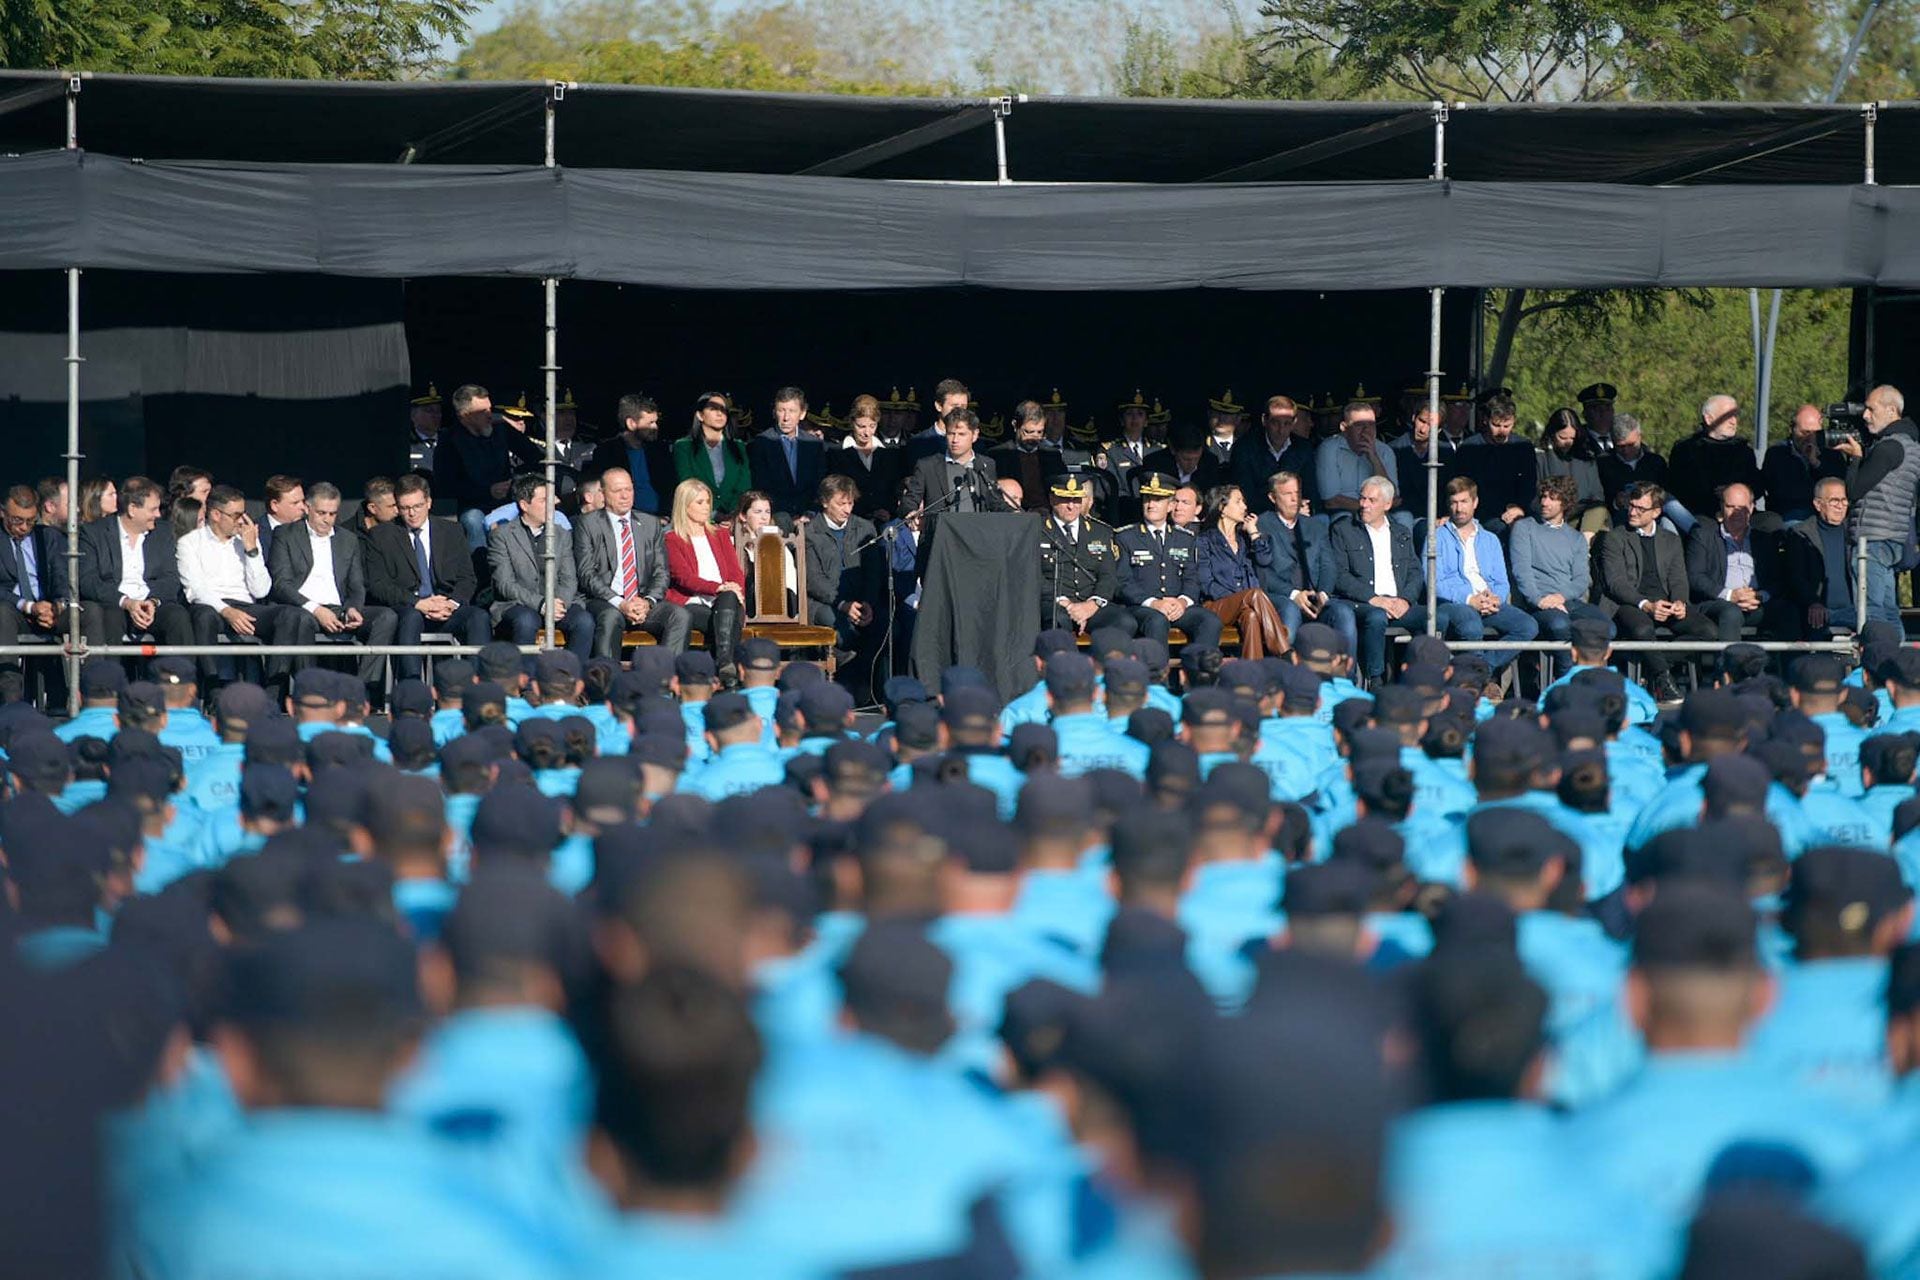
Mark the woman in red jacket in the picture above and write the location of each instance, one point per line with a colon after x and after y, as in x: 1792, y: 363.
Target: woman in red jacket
x: 703, y: 575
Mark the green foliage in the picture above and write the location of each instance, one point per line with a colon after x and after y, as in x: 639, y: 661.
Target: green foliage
x: 297, y: 39
x: 1668, y: 352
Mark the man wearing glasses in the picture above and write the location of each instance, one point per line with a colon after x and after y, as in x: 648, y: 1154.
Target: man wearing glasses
x: 1643, y: 572
x: 1820, y: 565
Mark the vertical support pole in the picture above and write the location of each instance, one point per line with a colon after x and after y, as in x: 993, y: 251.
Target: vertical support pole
x: 72, y: 659
x: 1433, y: 399
x: 1002, y: 108
x: 1872, y: 114
x: 551, y: 366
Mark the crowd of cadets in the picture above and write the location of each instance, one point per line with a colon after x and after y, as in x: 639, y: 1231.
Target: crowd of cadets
x: 581, y: 971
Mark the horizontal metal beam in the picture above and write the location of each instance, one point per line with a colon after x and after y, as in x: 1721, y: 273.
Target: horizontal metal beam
x: 1338, y: 145
x: 860, y: 158
x: 248, y: 650
x: 1653, y: 646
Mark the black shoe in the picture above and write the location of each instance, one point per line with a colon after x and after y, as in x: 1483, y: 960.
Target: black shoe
x: 1665, y: 690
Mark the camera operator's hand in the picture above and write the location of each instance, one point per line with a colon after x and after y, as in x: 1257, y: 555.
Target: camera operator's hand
x: 1849, y: 446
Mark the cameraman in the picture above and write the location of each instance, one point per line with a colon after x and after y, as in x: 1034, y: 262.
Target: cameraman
x: 1883, y: 480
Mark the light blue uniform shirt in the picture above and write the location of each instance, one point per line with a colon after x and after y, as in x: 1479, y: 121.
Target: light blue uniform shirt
x: 992, y: 955
x: 689, y: 1247
x: 1295, y: 752
x: 58, y: 946
x: 1087, y: 743
x: 765, y: 700
x: 1656, y: 1137
x: 77, y: 795
x: 1583, y: 972
x: 314, y: 728
x: 1641, y: 708
x: 424, y: 905
x: 1071, y: 908
x: 1024, y: 708
x: 316, y: 1194
x: 1494, y: 1188
x: 513, y: 1073
x: 190, y: 732
x: 1834, y: 818
x: 1876, y: 1203
x: 1828, y: 1029
x: 1903, y: 720
x: 556, y: 784
x: 460, y: 810
x: 741, y: 767
x: 1843, y: 750
x: 90, y: 722
x: 1333, y: 692
x: 1880, y: 803
x: 1678, y: 805
x: 447, y: 724
x: 570, y: 866
x: 694, y: 714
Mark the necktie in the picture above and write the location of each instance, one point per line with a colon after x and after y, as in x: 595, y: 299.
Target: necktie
x: 1160, y: 540
x: 629, y: 572
x: 787, y: 443
x: 420, y: 562
x: 27, y: 588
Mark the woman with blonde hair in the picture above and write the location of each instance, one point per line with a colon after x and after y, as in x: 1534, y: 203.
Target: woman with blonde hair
x: 703, y: 575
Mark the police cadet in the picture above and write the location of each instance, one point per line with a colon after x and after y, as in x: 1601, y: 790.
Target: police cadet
x: 1078, y: 577
x: 101, y: 680
x: 1814, y: 681
x: 1159, y: 570
x: 320, y: 1179
x: 1059, y: 901
x: 1087, y: 740
x: 741, y: 761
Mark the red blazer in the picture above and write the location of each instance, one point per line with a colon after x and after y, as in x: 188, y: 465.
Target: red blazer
x: 683, y: 568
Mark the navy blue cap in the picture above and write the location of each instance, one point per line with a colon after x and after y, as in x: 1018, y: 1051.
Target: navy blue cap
x: 695, y: 667
x: 662, y: 750
x: 1351, y: 715
x: 1428, y: 679
x: 1034, y: 744
x: 1851, y: 890
x: 1513, y: 842
x: 410, y: 698
x: 1070, y: 677
x: 1333, y: 888
x: 509, y: 914
x: 1901, y: 667
x: 970, y: 708
x: 1033, y: 1024
x: 535, y: 733
x: 337, y: 798
x: 274, y: 741
x: 856, y: 765
x: 48, y: 863
x: 629, y: 688
x: 825, y: 707
x: 1127, y: 677
x: 1244, y: 676
x: 1903, y: 979
x: 142, y: 699
x: 758, y: 654
x: 1737, y: 782
x: 1399, y: 705
x: 893, y: 966
x: 1470, y: 921
x: 1299, y: 688
x: 1371, y: 842
x: 1061, y: 807
x: 1318, y: 642
x: 786, y: 710
x: 173, y: 669
x: 315, y: 687
x: 1055, y: 640
x: 268, y: 791
x: 1471, y: 673
x: 515, y: 821
x: 1151, y: 653
x: 1150, y: 725
x: 343, y: 973
x: 1426, y: 650
x: 1208, y: 706
x: 917, y: 725
x: 411, y: 743
x: 1713, y: 713
x: 556, y: 668
x: 102, y: 678
x: 404, y: 811
x: 1373, y: 744
x: 1243, y: 787
x: 1817, y: 673
x: 608, y: 790
x: 968, y: 819
x: 483, y: 702
x: 1173, y: 767
x: 451, y: 676
x: 144, y: 782
x: 1696, y: 924
x: 39, y: 760
x: 726, y: 711
x: 1766, y: 1234
x: 1590, y: 635
x: 1383, y: 782
x: 800, y: 676
x: 498, y: 660
x: 899, y: 689
x: 1114, y: 792
x: 331, y: 750
x: 1511, y: 742
x: 653, y: 668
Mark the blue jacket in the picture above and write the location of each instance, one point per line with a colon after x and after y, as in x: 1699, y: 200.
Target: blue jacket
x: 1223, y: 571
x: 1283, y: 576
x: 1452, y: 582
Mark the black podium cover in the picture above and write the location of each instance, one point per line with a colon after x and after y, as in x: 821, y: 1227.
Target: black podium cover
x: 980, y: 599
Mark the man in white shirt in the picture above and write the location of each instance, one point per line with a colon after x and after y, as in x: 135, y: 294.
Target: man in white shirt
x: 223, y: 573
x: 129, y: 577
x: 319, y: 574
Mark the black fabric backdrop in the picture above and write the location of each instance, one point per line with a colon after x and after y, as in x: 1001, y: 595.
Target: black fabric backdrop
x: 980, y: 600
x: 736, y: 231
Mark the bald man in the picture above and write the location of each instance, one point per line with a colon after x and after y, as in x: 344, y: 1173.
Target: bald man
x: 1795, y: 465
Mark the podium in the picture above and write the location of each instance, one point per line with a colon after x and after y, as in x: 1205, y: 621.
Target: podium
x: 980, y: 599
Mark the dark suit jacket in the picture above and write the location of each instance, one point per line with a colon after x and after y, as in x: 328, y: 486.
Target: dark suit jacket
x: 1252, y: 466
x: 1622, y: 553
x: 659, y: 455
x: 1805, y: 562
x: 291, y: 560
x: 878, y: 484
x: 1616, y: 475
x: 928, y: 484
x: 1287, y: 574
x: 100, y: 563
x: 793, y: 492
x: 1008, y: 460
x: 833, y: 577
x: 50, y: 563
x: 1706, y: 554
x: 1353, y: 563
x: 596, y: 556
x: 1209, y: 473
x: 394, y: 581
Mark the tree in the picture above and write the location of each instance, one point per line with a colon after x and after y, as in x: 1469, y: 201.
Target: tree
x: 298, y: 39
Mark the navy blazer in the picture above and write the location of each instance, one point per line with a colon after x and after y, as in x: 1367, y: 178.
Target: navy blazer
x: 50, y: 563
x: 1223, y: 571
x: 793, y: 492
x: 1284, y: 577
x: 1353, y: 563
x: 100, y: 562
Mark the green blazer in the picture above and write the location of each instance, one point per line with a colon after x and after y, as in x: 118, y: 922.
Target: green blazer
x: 690, y: 462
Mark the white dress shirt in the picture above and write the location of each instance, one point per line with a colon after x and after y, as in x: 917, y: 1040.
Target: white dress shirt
x: 133, y: 563
x: 320, y: 588
x: 1470, y: 560
x: 1382, y: 539
x: 213, y: 572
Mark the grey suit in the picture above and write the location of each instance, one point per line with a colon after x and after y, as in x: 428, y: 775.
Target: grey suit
x: 596, y: 549
x: 519, y: 585
x: 290, y: 561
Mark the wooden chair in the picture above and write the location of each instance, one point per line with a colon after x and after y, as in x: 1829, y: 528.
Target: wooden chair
x: 776, y: 608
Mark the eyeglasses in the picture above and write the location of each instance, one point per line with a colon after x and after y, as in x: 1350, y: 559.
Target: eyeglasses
x: 1642, y: 507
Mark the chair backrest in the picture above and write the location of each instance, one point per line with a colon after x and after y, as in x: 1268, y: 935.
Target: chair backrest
x: 775, y: 599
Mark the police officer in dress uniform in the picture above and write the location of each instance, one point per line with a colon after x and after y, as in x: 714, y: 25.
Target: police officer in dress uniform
x: 1226, y: 420
x: 1596, y: 409
x: 1079, y: 579
x: 423, y: 430
x: 1159, y: 570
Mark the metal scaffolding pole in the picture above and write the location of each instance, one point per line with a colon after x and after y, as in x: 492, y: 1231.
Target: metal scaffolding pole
x: 1872, y: 115
x: 1433, y: 399
x: 555, y: 92
x: 72, y: 659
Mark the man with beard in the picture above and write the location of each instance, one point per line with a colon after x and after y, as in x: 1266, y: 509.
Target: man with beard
x: 1504, y: 469
x: 640, y: 451
x: 1026, y: 457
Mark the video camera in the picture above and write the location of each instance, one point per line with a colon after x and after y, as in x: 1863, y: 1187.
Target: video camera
x: 1844, y: 422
